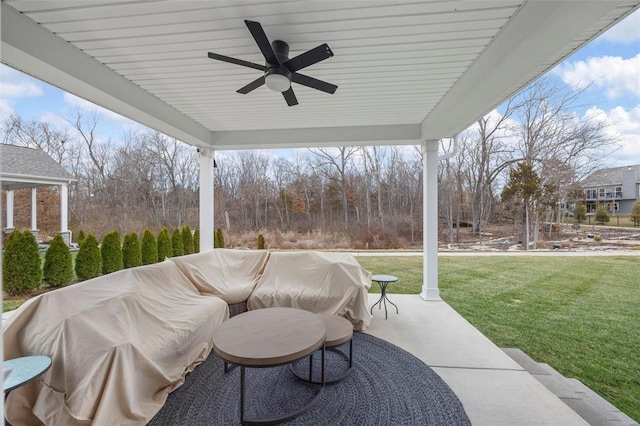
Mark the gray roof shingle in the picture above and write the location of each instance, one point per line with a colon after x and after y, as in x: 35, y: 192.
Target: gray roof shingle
x: 30, y: 162
x: 612, y: 176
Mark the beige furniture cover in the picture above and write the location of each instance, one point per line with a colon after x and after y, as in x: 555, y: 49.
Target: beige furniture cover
x: 119, y: 345
x: 229, y: 274
x: 319, y: 282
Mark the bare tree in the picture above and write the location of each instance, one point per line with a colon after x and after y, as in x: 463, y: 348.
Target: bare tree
x: 335, y: 169
x: 551, y: 140
x: 375, y: 157
x: 57, y: 143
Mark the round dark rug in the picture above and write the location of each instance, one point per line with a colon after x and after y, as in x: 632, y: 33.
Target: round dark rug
x: 387, y: 386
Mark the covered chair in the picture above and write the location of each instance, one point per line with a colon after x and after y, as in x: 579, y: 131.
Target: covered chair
x: 332, y: 283
x: 119, y: 344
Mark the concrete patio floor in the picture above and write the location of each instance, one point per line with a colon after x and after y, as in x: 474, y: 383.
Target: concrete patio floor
x: 494, y: 389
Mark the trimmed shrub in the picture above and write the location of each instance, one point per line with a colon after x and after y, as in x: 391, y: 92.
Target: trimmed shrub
x: 218, y: 240
x: 88, y: 259
x: 187, y: 240
x: 635, y: 213
x: 149, y: 248
x: 58, y: 265
x: 131, y: 254
x: 12, y: 281
x: 21, y: 267
x: 602, y: 215
x: 176, y: 243
x: 196, y: 241
x: 164, y: 245
x: 260, y: 242
x: 580, y: 213
x: 111, y: 251
x: 80, y: 237
x: 32, y: 260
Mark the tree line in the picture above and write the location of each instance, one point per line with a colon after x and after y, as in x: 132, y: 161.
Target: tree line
x: 515, y: 166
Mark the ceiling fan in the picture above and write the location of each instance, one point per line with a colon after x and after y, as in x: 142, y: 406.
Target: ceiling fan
x: 279, y: 70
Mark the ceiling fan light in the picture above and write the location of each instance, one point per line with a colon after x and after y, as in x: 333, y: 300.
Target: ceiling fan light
x: 277, y: 82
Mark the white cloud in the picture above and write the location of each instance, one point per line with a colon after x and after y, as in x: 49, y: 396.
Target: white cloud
x: 20, y: 90
x: 506, y: 133
x: 5, y: 110
x: 56, y: 121
x: 625, y: 31
x: 625, y: 126
x: 617, y: 76
x: 84, y: 105
x: 87, y: 106
x: 18, y: 85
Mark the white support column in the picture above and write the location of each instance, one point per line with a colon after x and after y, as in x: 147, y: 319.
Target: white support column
x: 34, y: 210
x: 34, y: 214
x: 10, y: 209
x: 430, y: 290
x: 64, y: 208
x: 206, y: 199
x: 64, y: 213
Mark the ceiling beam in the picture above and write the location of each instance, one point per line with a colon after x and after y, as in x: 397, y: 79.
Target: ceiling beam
x: 530, y: 38
x: 403, y: 134
x: 34, y: 50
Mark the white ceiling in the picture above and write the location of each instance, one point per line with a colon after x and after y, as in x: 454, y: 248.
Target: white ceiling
x: 406, y: 70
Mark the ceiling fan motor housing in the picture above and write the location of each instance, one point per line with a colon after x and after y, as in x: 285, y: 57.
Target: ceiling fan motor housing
x: 281, y: 49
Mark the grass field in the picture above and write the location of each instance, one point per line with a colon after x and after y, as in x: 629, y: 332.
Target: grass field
x: 581, y: 315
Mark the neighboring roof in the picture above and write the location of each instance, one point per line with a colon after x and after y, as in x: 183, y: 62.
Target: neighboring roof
x: 612, y: 176
x: 407, y: 70
x: 22, y: 167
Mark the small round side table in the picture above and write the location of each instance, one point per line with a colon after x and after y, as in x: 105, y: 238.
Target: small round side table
x: 339, y: 331
x: 22, y: 371
x: 383, y: 281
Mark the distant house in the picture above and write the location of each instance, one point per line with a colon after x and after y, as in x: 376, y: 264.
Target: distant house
x: 22, y: 167
x: 616, y: 188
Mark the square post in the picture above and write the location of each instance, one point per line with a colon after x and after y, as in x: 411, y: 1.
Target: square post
x: 9, y: 227
x: 34, y: 214
x: 430, y: 290
x: 206, y: 199
x: 64, y: 213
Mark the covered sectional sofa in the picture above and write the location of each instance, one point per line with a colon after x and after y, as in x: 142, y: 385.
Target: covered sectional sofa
x: 120, y: 343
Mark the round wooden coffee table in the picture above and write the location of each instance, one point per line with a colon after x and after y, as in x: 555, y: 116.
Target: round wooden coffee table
x: 267, y: 338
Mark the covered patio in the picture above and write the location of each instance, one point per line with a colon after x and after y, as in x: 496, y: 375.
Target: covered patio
x: 407, y: 74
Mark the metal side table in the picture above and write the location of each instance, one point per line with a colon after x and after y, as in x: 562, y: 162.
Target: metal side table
x: 22, y: 371
x: 383, y: 281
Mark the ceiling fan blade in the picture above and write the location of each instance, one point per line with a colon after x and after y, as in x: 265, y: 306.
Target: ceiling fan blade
x: 314, y: 83
x: 252, y: 86
x: 290, y: 97
x: 309, y: 57
x: 236, y: 61
x: 263, y: 42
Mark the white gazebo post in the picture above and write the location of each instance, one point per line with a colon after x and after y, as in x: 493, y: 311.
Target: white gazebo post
x: 34, y: 213
x: 64, y: 213
x: 430, y: 290
x: 9, y: 227
x: 206, y: 199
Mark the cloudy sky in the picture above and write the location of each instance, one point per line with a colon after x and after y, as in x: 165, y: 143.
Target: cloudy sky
x: 608, y: 69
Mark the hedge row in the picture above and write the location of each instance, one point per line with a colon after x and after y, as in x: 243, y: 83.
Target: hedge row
x: 23, y: 272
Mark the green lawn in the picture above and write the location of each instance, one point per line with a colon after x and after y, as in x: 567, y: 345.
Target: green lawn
x: 581, y: 315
